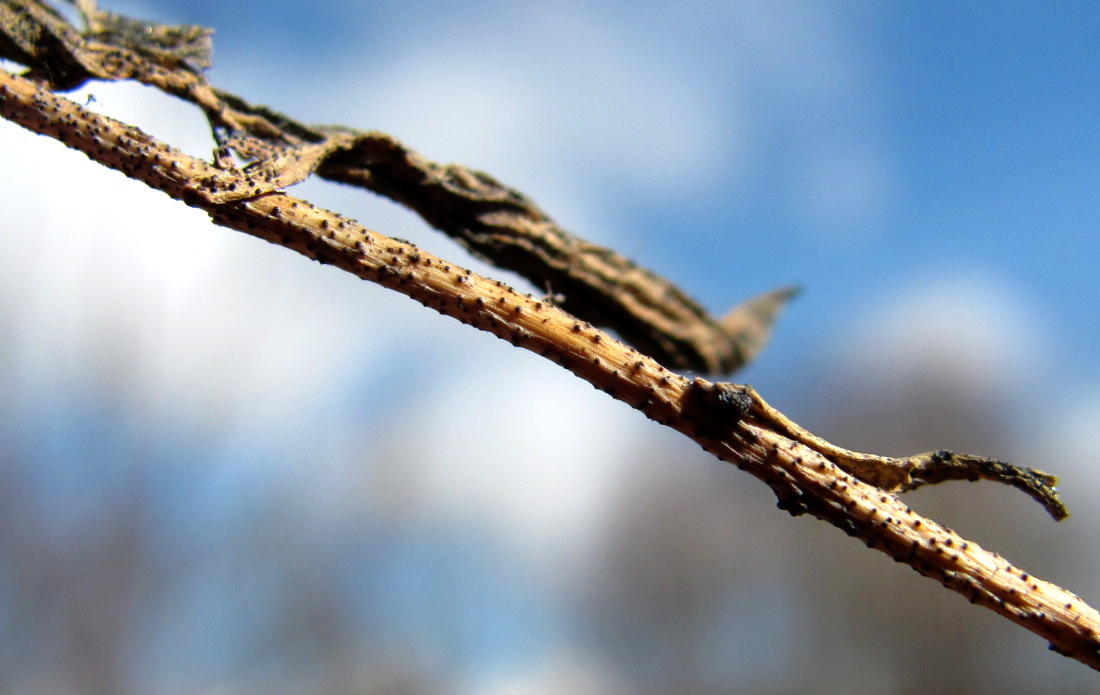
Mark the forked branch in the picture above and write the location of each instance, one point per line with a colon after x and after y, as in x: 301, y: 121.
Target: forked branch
x: 852, y: 491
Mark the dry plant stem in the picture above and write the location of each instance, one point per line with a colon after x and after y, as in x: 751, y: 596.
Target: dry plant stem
x: 730, y: 421
x: 493, y: 221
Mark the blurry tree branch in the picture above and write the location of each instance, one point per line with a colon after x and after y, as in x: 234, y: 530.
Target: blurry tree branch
x: 853, y: 491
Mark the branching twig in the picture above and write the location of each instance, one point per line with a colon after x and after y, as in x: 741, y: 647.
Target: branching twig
x: 850, y: 490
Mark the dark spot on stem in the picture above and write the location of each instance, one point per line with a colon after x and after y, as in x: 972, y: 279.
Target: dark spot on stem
x: 715, y: 408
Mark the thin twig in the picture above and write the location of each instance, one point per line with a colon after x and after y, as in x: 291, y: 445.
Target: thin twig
x: 808, y: 475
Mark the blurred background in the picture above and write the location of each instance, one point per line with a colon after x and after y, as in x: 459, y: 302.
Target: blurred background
x: 224, y: 469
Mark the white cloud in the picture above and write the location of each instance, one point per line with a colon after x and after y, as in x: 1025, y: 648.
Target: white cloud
x: 967, y: 326
x: 559, y: 100
x: 103, y: 278
x: 802, y: 80
x: 533, y: 456
x: 802, y: 50
x: 561, y: 672
x: 845, y: 186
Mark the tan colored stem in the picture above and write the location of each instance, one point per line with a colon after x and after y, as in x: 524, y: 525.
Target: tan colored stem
x: 807, y: 474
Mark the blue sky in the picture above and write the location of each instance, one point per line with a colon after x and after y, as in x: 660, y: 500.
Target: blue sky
x: 928, y: 173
